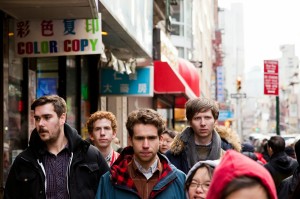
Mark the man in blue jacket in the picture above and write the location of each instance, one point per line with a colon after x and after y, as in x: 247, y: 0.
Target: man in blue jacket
x: 140, y: 171
x: 58, y: 163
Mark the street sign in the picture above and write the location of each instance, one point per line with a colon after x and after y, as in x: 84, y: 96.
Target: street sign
x: 224, y: 115
x: 271, y: 77
x: 238, y: 95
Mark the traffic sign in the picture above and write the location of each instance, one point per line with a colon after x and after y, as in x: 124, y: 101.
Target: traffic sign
x: 271, y: 77
x: 238, y: 95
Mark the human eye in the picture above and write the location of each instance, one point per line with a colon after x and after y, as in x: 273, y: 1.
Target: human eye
x: 107, y: 128
x: 37, y: 119
x: 197, y: 118
x: 193, y: 184
x: 152, y: 137
x: 139, y: 138
x: 47, y: 117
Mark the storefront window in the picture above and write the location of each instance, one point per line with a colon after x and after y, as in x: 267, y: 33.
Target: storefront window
x: 71, y: 91
x: 85, y: 102
x: 14, y: 138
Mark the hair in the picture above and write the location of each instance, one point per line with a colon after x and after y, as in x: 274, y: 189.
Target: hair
x: 145, y: 116
x: 169, y: 132
x: 241, y: 182
x: 101, y: 115
x: 210, y: 171
x: 277, y: 144
x: 201, y: 104
x: 58, y: 103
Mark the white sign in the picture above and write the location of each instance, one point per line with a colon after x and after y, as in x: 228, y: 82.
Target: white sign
x: 42, y: 38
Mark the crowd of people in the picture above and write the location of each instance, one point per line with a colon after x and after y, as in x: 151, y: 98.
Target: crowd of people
x: 204, y: 161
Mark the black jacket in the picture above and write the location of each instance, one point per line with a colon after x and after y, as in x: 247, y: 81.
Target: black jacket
x: 280, y: 167
x: 288, y: 185
x: 26, y: 178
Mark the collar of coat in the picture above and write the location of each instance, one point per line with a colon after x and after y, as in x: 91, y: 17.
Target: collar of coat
x: 75, y: 142
x: 119, y: 170
x: 180, y: 140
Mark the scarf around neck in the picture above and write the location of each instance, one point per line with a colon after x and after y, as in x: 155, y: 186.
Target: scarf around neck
x: 191, y: 152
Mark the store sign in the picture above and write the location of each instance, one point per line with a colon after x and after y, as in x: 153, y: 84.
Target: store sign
x: 225, y: 115
x: 43, y: 38
x: 271, y: 77
x: 139, y: 83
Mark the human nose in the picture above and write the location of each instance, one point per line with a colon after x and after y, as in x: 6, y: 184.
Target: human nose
x: 200, y: 188
x: 102, y: 132
x: 146, y: 143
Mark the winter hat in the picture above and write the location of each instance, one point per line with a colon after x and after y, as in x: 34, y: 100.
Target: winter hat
x: 247, y: 147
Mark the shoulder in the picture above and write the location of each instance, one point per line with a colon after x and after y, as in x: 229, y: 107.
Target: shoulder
x: 230, y: 139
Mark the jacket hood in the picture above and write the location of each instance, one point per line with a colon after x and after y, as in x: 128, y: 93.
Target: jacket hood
x: 180, y: 140
x: 282, y: 162
x: 235, y: 164
x: 74, y: 140
x: 212, y: 163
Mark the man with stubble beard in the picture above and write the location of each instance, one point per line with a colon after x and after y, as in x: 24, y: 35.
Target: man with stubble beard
x: 58, y: 163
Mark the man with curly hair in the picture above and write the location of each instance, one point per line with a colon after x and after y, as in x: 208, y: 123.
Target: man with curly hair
x: 102, y: 128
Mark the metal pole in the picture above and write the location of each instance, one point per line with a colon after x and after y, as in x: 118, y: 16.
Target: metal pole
x: 277, y: 116
x: 239, y: 119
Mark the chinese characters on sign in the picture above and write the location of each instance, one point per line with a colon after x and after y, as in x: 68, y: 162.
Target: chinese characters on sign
x: 138, y: 84
x: 271, y: 77
x: 35, y: 38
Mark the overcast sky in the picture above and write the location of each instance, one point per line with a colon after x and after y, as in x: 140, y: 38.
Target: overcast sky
x: 267, y: 25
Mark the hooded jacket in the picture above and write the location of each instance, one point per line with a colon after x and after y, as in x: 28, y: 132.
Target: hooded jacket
x: 288, y: 185
x: 212, y: 163
x: 26, y: 178
x: 178, y: 152
x: 280, y: 167
x: 234, y: 164
x: 118, y: 184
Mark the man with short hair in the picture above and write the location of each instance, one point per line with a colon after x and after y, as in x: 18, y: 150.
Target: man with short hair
x: 200, y: 141
x: 102, y: 128
x: 280, y: 165
x: 58, y: 163
x: 140, y: 171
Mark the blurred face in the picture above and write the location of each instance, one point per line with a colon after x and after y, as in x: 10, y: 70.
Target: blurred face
x: 165, y: 143
x: 145, y: 143
x: 249, y: 193
x: 102, y: 134
x: 48, y: 124
x: 203, y: 125
x: 200, y: 184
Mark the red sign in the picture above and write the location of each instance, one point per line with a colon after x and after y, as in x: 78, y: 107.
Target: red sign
x: 271, y: 78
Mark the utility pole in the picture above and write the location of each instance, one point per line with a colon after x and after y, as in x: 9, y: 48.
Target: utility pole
x: 277, y: 115
x: 238, y: 106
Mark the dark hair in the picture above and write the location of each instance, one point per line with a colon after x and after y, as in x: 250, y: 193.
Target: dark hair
x: 210, y: 171
x: 58, y: 103
x: 277, y: 144
x: 241, y: 182
x: 101, y: 115
x: 145, y: 116
x: 201, y: 104
x: 169, y: 132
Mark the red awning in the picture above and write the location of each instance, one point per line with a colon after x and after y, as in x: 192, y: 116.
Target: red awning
x: 169, y: 81
x: 190, y: 74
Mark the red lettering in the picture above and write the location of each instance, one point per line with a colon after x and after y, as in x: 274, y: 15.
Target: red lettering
x: 21, y: 50
x: 75, y: 45
x: 66, y: 47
